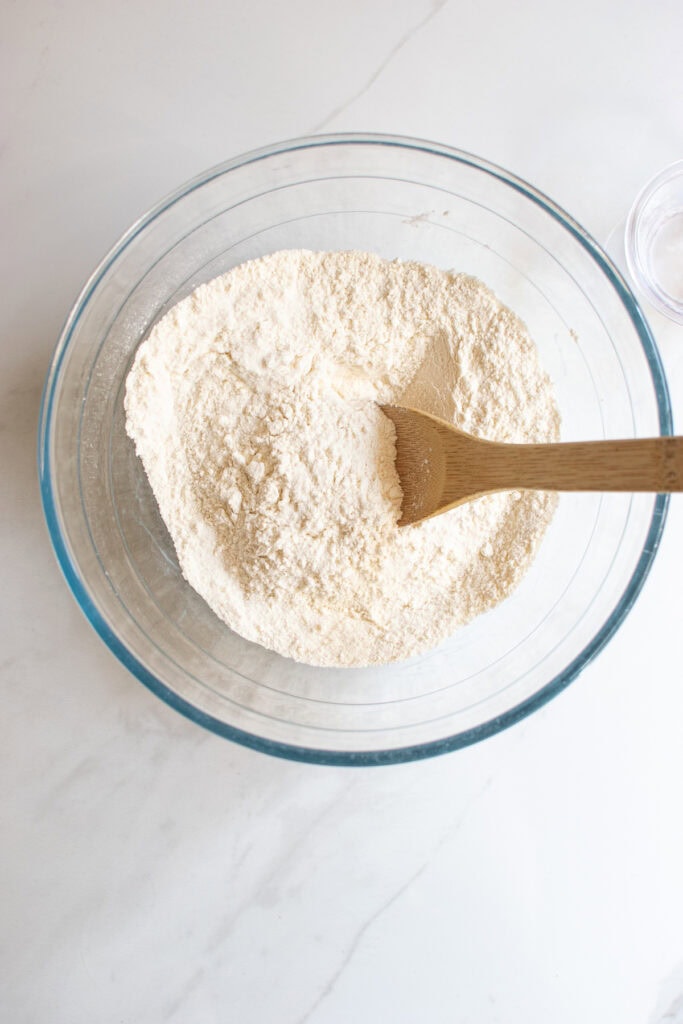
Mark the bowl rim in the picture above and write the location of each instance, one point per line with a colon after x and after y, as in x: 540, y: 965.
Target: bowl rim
x: 360, y: 757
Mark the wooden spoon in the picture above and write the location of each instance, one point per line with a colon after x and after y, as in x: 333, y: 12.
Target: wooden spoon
x: 440, y: 466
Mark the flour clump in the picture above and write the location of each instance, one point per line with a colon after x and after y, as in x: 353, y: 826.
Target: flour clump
x: 253, y: 405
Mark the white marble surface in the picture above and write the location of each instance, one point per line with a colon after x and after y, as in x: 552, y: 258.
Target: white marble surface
x: 152, y: 872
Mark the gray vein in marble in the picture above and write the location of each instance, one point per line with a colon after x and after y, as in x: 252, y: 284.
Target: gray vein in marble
x: 670, y: 1003
x: 188, y: 988
x: 674, y: 1014
x: 277, y: 868
x: 403, y: 41
x: 394, y: 898
x: 51, y: 798
x: 222, y: 933
x: 358, y: 938
x: 675, y: 1011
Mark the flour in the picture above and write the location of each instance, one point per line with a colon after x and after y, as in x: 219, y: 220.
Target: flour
x: 253, y: 406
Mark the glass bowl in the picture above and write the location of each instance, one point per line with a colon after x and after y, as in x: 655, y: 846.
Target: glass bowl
x: 653, y: 241
x: 400, y: 198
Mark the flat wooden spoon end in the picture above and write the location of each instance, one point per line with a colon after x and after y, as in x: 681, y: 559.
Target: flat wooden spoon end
x: 420, y: 464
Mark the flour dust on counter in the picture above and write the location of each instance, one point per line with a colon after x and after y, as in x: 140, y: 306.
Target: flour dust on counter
x: 253, y: 405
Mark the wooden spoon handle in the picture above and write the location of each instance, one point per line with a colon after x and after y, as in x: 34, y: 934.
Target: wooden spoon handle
x: 650, y: 464
x: 440, y: 466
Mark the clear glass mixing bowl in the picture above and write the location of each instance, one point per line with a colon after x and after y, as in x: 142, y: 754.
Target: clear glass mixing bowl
x: 400, y: 198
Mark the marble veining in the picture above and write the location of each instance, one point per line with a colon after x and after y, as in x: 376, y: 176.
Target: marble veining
x: 405, y: 39
x: 387, y: 903
x: 669, y: 1008
x: 154, y: 873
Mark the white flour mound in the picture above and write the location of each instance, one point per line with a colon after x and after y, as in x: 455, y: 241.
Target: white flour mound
x: 252, y: 405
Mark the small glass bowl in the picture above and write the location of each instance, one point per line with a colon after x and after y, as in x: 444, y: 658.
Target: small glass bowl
x: 402, y: 198
x: 653, y: 241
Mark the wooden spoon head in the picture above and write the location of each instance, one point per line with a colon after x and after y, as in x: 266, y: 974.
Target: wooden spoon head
x: 438, y: 466
x: 420, y: 462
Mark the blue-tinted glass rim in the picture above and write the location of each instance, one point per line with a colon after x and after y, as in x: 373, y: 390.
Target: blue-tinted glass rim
x: 370, y: 757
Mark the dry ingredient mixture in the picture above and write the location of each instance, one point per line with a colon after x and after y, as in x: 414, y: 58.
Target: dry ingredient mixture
x: 253, y: 406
